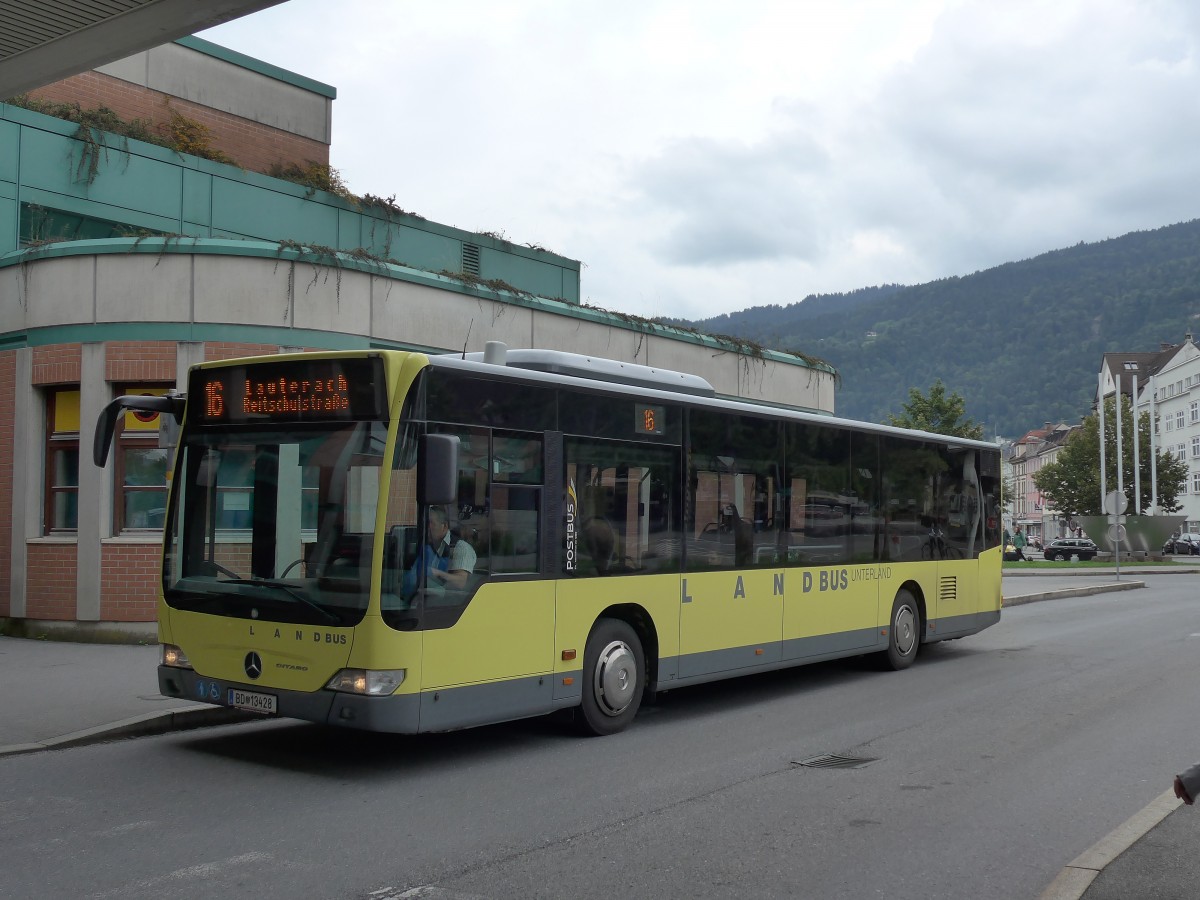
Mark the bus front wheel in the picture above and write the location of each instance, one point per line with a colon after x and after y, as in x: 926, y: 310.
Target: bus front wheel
x: 904, y: 632
x: 614, y: 678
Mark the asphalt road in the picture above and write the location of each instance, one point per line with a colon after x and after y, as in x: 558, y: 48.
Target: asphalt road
x: 996, y: 760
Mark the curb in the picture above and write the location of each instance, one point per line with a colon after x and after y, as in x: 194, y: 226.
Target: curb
x: 1093, y: 573
x: 1073, y: 592
x: 138, y: 726
x: 1077, y: 876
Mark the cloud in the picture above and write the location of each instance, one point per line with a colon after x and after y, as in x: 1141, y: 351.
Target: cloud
x: 734, y: 203
x: 699, y: 162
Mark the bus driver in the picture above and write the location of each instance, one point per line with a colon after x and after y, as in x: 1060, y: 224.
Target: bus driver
x: 447, y: 559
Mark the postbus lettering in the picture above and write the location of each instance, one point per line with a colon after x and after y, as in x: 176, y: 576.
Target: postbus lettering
x: 572, y: 546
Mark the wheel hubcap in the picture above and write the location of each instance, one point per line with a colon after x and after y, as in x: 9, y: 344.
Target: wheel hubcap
x: 904, y: 630
x: 615, y: 679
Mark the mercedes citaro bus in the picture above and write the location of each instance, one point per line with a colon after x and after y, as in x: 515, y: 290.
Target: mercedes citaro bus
x: 627, y: 532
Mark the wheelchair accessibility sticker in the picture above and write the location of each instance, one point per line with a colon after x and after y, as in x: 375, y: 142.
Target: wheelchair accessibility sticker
x: 208, y: 690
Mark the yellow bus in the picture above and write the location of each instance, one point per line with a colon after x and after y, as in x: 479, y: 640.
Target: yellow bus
x: 409, y: 543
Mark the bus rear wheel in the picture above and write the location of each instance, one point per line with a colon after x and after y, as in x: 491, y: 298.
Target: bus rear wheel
x: 614, y: 678
x: 904, y: 632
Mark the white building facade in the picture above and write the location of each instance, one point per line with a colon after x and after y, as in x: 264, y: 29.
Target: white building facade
x: 1174, y: 395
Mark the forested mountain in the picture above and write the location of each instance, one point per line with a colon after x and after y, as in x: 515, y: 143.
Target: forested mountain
x: 1021, y: 342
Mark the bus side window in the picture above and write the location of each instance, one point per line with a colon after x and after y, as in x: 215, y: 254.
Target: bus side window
x: 735, y: 492
x: 516, y: 512
x: 512, y: 486
x: 628, y: 506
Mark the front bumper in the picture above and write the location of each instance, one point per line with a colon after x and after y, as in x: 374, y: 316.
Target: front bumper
x: 397, y: 713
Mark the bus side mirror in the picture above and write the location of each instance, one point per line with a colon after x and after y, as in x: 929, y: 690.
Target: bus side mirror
x: 437, y: 470
x: 106, y: 422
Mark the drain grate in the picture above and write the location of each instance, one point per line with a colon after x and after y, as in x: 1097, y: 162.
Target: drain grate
x: 836, y: 761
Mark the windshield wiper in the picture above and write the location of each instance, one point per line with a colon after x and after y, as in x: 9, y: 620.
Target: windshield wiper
x: 288, y: 589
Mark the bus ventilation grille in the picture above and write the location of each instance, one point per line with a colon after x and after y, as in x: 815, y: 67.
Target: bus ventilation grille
x: 470, y: 259
x: 947, y: 589
x: 836, y: 761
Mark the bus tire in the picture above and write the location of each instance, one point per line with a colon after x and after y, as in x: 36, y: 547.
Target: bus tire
x: 614, y: 678
x: 904, y: 632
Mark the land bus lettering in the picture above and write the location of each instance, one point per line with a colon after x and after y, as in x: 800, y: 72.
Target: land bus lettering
x: 285, y: 395
x: 825, y: 580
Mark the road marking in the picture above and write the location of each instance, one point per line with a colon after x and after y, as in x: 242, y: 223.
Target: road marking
x: 422, y: 892
x: 188, y: 873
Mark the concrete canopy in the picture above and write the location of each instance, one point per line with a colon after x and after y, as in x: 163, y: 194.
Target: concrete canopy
x: 42, y: 41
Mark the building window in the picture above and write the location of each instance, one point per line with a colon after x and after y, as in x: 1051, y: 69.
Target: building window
x: 62, y: 462
x: 140, y: 467
x: 1194, y: 411
x: 1179, y: 420
x: 1196, y: 482
x: 1196, y: 446
x: 1170, y: 420
x: 1181, y: 451
x: 42, y: 224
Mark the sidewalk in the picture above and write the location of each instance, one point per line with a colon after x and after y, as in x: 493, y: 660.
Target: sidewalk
x: 59, y: 694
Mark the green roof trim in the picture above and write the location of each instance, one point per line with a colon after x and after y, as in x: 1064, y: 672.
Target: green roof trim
x: 323, y: 257
x: 182, y: 331
x: 145, y: 186
x: 257, y: 65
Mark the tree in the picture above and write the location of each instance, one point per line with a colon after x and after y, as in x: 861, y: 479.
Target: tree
x: 937, y: 413
x: 1072, y: 482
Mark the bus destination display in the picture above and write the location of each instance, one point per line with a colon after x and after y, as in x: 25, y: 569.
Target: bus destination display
x: 291, y: 391
x: 649, y: 419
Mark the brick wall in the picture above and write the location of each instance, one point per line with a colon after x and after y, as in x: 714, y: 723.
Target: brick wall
x: 236, y: 558
x: 57, y: 364
x: 8, y: 368
x: 252, y: 145
x: 50, y: 582
x: 130, y: 361
x: 214, y: 350
x: 130, y: 572
x: 129, y: 582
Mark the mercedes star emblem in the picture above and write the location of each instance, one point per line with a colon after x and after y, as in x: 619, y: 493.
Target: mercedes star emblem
x: 253, y: 664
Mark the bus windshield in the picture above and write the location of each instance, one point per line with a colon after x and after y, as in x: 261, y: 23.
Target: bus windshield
x: 275, y: 522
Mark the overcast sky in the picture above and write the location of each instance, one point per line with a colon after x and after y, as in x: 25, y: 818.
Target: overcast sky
x: 703, y: 157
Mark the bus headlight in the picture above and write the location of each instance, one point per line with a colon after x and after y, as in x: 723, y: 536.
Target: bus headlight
x: 371, y: 682
x: 174, y: 657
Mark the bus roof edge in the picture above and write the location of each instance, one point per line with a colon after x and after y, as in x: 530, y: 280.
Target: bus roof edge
x: 560, y: 362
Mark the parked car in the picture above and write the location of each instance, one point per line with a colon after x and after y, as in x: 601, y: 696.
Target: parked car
x: 1188, y: 542
x: 1065, y: 548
